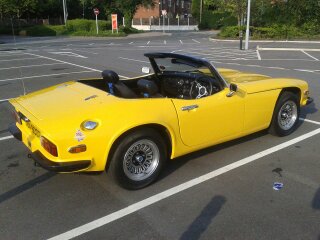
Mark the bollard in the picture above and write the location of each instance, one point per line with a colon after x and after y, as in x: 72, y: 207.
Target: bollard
x: 241, y: 39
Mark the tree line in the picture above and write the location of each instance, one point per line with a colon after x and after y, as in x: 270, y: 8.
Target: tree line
x: 264, y: 12
x: 267, y: 12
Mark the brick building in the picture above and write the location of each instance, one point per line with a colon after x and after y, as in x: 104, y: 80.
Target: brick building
x: 173, y: 8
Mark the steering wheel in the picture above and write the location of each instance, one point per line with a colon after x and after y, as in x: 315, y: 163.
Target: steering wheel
x: 201, y: 87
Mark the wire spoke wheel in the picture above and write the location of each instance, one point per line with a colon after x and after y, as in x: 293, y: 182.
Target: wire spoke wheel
x: 141, y: 160
x: 287, y: 115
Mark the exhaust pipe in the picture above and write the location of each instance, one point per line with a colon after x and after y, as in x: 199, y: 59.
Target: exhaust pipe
x: 34, y: 162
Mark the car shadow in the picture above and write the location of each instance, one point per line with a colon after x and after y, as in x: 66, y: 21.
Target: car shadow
x: 205, y: 218
x: 316, y: 203
x: 316, y: 200
x: 309, y: 109
x: 172, y: 166
x: 26, y: 186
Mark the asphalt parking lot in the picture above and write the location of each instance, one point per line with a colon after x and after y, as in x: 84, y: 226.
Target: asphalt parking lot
x: 223, y: 192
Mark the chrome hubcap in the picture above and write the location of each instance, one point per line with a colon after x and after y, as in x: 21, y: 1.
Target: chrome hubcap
x: 141, y: 160
x: 288, y: 115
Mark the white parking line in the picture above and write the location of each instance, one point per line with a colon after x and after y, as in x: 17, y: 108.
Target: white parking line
x: 309, y: 121
x: 134, y: 60
x: 310, y: 55
x: 46, y: 75
x: 195, y: 40
x: 289, y: 49
x: 258, y: 54
x: 53, y: 59
x: 304, y: 70
x: 148, y: 42
x: 27, y: 66
x: 69, y: 54
x: 9, y: 55
x: 130, y: 42
x: 6, y: 138
x: 181, y: 42
x: 4, y: 100
x: 78, y: 50
x: 175, y: 190
x: 18, y: 59
x: 165, y: 42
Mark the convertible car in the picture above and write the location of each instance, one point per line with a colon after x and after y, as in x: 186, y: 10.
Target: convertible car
x: 131, y: 127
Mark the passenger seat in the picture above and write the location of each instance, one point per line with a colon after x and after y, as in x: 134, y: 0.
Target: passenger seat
x: 116, y: 87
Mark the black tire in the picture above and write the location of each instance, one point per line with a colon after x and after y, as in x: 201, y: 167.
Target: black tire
x: 290, y: 100
x: 131, y: 155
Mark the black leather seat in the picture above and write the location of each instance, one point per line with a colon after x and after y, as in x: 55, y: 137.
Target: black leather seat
x: 148, y: 89
x: 116, y: 87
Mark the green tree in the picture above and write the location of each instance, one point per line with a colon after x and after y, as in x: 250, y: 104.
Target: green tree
x: 195, y: 9
x: 20, y: 7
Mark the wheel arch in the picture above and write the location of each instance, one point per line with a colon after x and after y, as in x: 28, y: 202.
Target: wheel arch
x: 295, y: 90
x: 165, y: 133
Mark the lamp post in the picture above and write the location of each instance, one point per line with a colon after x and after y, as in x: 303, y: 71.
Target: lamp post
x: 83, y: 9
x: 200, y: 10
x: 248, y: 25
x: 287, y: 17
x: 65, y: 12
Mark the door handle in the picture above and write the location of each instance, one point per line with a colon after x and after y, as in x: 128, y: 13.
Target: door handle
x: 188, y: 108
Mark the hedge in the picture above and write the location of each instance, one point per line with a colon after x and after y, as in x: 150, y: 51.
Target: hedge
x: 77, y: 27
x: 216, y: 20
x: 273, y: 32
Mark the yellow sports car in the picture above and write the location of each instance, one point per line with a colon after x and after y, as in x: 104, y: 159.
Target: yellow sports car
x: 131, y: 127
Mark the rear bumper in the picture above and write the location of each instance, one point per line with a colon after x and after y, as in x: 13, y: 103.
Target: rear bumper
x: 59, y: 166
x: 47, y: 164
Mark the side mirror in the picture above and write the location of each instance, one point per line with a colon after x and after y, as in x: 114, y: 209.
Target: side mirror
x: 145, y: 70
x: 233, y: 89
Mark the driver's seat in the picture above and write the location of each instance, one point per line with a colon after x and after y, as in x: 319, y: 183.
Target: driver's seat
x: 115, y: 86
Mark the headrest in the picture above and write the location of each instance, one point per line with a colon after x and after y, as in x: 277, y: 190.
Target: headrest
x: 147, y: 86
x: 110, y: 76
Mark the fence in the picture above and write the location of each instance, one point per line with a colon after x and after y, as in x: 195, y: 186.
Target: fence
x: 165, y: 23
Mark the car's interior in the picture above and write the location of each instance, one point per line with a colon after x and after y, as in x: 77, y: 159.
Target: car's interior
x: 169, y: 84
x: 181, y: 79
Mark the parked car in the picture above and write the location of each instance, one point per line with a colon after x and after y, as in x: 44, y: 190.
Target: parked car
x: 131, y: 127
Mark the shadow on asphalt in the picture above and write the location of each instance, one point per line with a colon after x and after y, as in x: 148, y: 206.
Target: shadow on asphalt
x: 309, y: 109
x: 316, y: 203
x: 201, y: 223
x: 172, y: 166
x: 316, y: 200
x: 26, y: 186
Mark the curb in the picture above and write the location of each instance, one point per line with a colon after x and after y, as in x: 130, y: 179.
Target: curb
x: 288, y: 49
x: 262, y: 41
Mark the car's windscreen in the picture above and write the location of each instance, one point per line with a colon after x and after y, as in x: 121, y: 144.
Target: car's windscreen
x: 179, y: 65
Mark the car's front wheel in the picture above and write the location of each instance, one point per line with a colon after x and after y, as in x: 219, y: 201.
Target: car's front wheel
x: 286, y: 115
x: 138, y: 158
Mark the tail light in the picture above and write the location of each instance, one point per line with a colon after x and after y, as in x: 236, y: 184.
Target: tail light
x: 49, y: 146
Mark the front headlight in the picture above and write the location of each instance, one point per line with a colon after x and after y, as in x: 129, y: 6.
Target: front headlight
x: 89, y: 125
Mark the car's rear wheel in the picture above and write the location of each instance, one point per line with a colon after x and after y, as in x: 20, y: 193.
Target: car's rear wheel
x: 286, y: 114
x: 138, y: 158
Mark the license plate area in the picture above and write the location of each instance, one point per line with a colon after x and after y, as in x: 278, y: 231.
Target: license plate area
x: 33, y: 129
